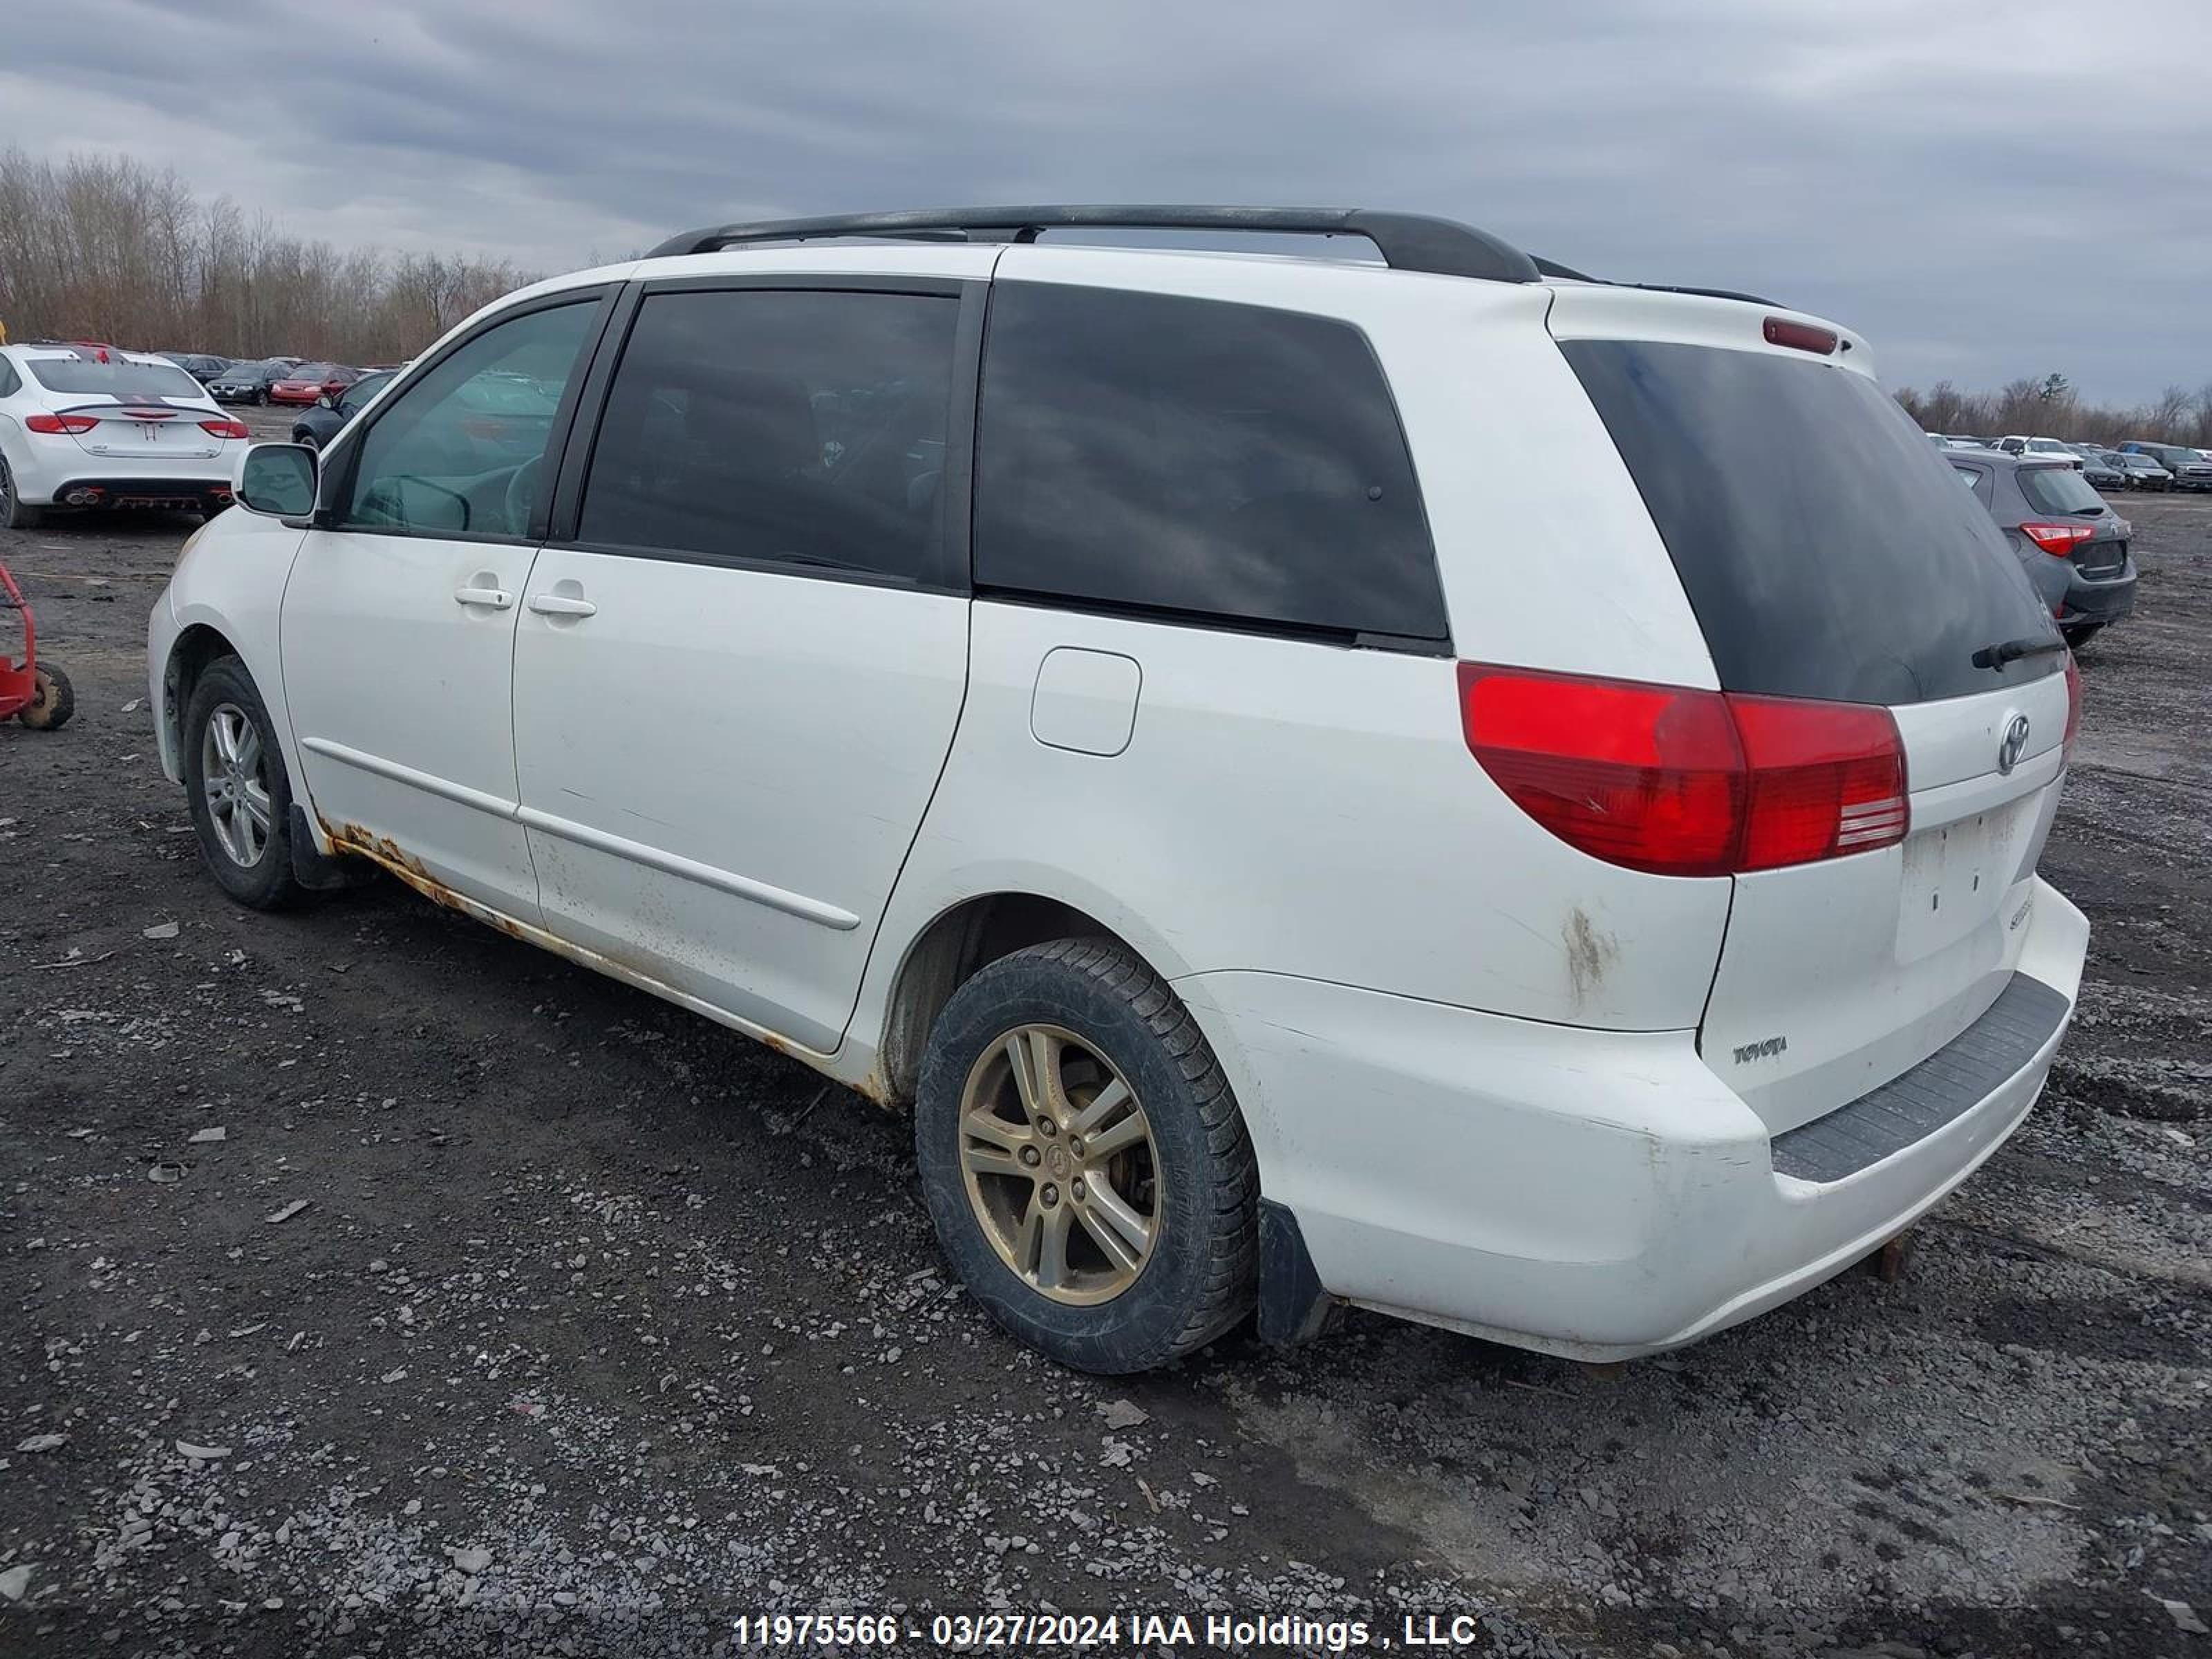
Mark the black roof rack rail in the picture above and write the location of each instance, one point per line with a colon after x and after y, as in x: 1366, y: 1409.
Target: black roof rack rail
x: 1407, y: 241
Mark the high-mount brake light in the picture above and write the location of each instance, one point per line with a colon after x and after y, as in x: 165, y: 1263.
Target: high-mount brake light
x: 1801, y: 336
x: 1680, y: 781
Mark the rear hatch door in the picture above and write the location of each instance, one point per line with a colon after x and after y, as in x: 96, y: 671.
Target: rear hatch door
x: 1829, y: 554
x: 2072, y: 521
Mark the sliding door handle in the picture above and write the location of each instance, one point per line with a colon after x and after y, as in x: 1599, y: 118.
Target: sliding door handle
x: 562, y: 604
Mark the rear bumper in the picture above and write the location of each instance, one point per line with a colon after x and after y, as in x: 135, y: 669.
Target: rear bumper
x: 1594, y: 1194
x: 2100, y: 598
x: 204, y: 494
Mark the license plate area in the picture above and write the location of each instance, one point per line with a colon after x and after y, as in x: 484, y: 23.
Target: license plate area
x: 1957, y: 876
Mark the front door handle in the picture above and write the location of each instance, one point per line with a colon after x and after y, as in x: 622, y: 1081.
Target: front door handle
x: 562, y: 604
x: 492, y: 599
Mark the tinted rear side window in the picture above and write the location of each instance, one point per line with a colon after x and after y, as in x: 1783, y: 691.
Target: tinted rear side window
x: 1827, y: 549
x: 1198, y: 458
x: 2058, y: 490
x: 782, y: 426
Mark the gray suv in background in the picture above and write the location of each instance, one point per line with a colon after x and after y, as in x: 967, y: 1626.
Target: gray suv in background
x: 2072, y: 544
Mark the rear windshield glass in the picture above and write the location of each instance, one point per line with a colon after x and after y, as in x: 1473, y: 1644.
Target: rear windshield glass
x: 2058, y: 490
x: 1827, y: 549
x: 120, y: 379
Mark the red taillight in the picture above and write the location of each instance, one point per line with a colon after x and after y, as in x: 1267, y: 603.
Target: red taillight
x: 53, y: 425
x: 1801, y: 336
x: 2073, y: 703
x: 225, y: 428
x: 1649, y: 776
x: 2058, y: 539
x: 1679, y: 781
x: 1826, y: 779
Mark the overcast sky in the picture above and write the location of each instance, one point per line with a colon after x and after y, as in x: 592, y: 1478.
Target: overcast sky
x: 1985, y: 191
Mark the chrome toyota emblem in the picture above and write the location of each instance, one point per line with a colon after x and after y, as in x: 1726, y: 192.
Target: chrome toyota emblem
x: 2014, y: 744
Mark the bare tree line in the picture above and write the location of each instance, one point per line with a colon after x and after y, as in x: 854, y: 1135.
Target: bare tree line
x: 2049, y: 408
x: 102, y: 247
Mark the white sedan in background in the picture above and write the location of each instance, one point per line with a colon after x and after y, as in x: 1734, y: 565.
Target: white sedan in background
x: 89, y: 426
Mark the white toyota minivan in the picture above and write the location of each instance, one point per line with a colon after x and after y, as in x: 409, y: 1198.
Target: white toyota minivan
x: 1119, y: 702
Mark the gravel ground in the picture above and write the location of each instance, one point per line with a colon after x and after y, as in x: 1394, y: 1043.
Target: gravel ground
x: 489, y: 1306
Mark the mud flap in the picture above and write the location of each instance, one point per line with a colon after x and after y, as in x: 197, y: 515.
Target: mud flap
x: 317, y: 871
x: 1293, y: 1306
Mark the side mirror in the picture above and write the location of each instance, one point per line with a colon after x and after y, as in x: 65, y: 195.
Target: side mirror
x: 277, y: 480
x: 325, y: 402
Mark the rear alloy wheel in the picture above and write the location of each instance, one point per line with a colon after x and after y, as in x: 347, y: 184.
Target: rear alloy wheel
x: 1083, y: 1161
x: 16, y: 512
x: 236, y: 787
x: 1060, y: 1170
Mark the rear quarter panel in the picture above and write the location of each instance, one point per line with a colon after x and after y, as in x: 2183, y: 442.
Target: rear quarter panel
x: 1289, y: 807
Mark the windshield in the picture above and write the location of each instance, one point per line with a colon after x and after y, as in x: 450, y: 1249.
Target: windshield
x: 2058, y: 490
x: 119, y: 379
x: 1826, y: 550
x: 311, y: 372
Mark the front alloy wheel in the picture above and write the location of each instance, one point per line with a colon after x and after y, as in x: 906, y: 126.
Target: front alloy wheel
x: 234, y: 777
x: 236, y: 787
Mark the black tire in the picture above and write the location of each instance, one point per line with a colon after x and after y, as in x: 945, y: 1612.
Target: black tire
x: 2080, y: 634
x: 53, y: 700
x: 266, y: 884
x: 16, y: 512
x: 1199, y: 1280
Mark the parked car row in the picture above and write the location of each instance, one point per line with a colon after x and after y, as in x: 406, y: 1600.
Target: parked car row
x: 279, y: 380
x: 85, y: 424
x: 282, y: 380
x: 2138, y: 464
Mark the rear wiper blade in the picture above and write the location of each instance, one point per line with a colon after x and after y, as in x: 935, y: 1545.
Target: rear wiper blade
x: 1997, y: 656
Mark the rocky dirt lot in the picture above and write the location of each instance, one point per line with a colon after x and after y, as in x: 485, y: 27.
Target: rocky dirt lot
x: 372, y: 1283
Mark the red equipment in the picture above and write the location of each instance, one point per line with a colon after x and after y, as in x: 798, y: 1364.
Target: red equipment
x: 38, y: 694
